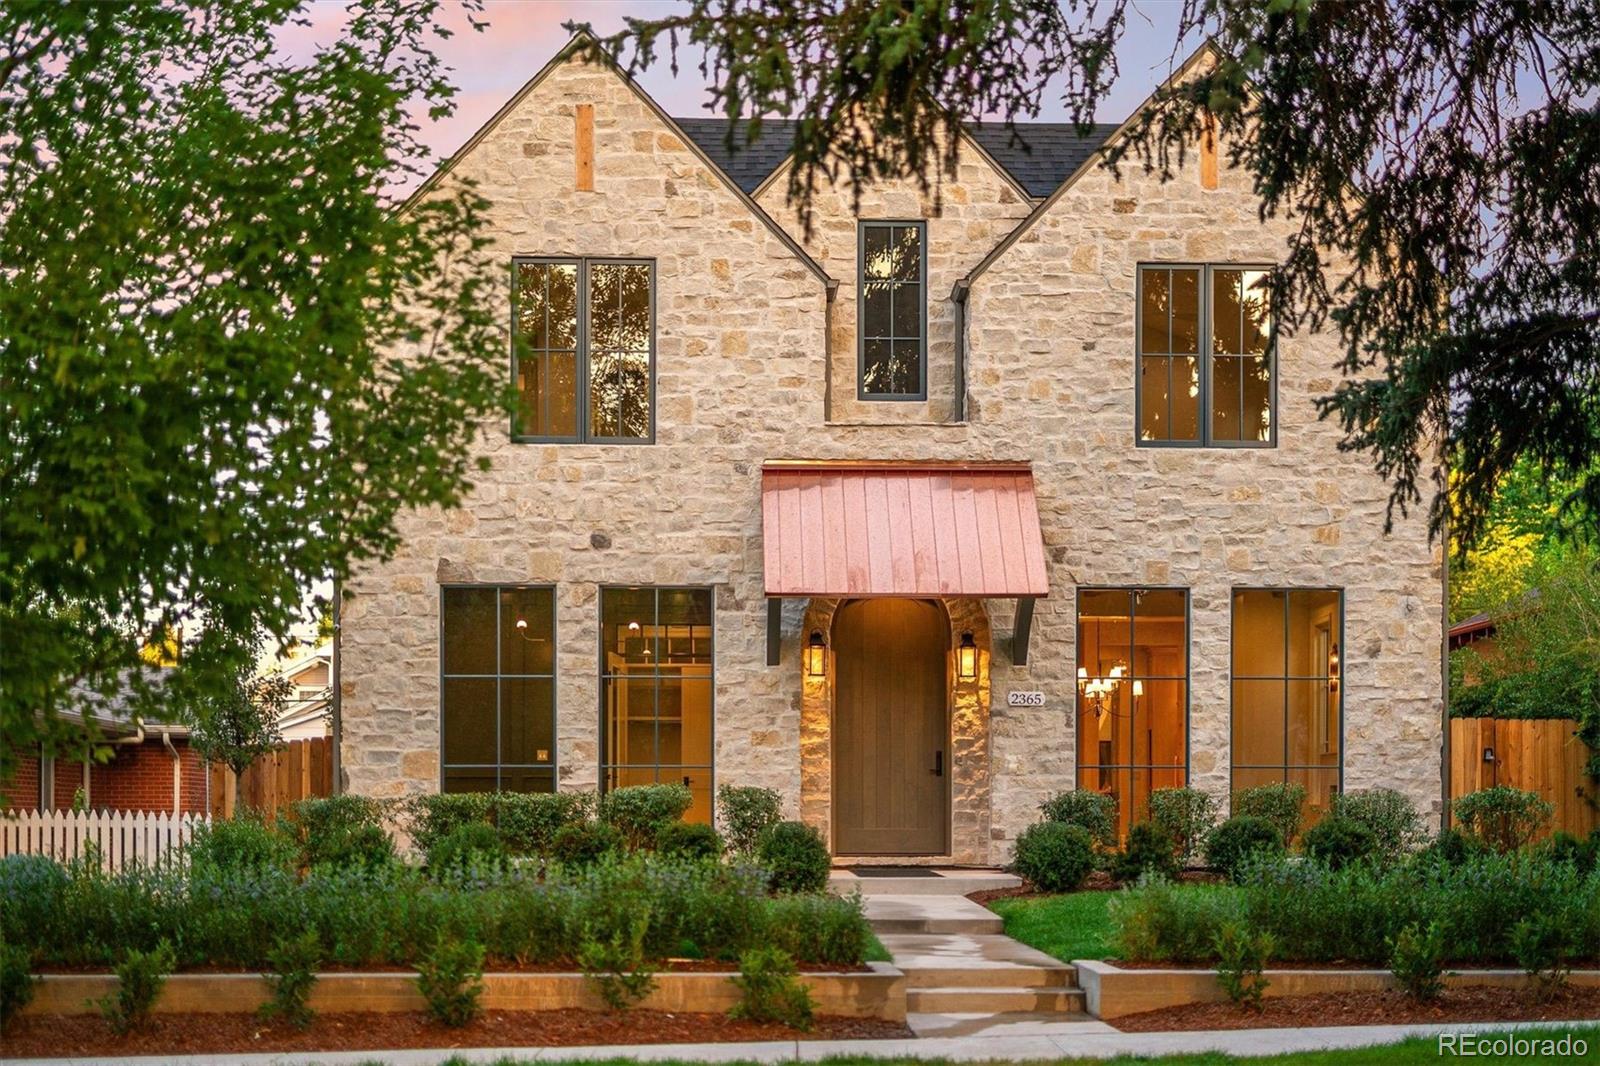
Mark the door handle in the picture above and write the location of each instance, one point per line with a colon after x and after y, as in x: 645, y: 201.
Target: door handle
x: 938, y: 764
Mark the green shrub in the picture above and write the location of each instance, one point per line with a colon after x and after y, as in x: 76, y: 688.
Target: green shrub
x: 471, y: 844
x: 1054, y: 856
x: 1503, y: 817
x: 795, y: 857
x: 1452, y: 847
x: 1162, y: 922
x: 584, y: 843
x: 1336, y: 842
x: 1543, y: 945
x: 1396, y: 827
x: 1187, y: 815
x: 450, y: 978
x: 429, y: 818
x: 746, y: 812
x: 294, y: 960
x: 614, y: 963
x: 1352, y: 914
x: 1149, y: 849
x: 1583, y: 853
x: 1241, y: 840
x: 140, y: 977
x: 16, y: 983
x: 691, y: 840
x: 1416, y: 958
x: 770, y: 990
x: 640, y: 812
x: 242, y: 844
x: 1094, y: 812
x: 529, y: 821
x: 1279, y: 804
x: 818, y: 927
x: 1241, y: 962
x: 339, y: 830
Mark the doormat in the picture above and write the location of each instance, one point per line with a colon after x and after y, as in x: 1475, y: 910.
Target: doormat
x: 892, y: 871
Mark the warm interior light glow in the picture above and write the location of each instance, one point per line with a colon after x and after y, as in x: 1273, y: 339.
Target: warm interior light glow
x: 967, y: 659
x: 816, y: 655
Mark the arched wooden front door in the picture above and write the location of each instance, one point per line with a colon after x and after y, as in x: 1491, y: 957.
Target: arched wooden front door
x: 891, y: 729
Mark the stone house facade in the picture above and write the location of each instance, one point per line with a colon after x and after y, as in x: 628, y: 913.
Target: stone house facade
x: 917, y: 518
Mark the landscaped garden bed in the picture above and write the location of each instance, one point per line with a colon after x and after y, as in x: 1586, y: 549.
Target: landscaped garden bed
x: 1392, y: 1007
x: 48, y: 1036
x: 1363, y: 903
x: 520, y: 902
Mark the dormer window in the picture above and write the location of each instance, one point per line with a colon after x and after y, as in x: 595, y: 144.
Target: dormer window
x: 892, y: 305
x: 583, y: 350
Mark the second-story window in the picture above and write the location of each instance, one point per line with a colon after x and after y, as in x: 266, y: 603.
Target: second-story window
x: 583, y: 350
x: 1205, y: 347
x: 892, y: 308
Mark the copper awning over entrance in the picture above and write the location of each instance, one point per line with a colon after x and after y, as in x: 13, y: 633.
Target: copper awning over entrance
x: 857, y: 529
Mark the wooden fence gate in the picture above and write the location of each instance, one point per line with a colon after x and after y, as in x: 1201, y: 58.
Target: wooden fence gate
x: 300, y: 770
x: 1535, y: 754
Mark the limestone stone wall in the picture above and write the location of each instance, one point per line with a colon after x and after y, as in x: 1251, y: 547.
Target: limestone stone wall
x: 742, y: 342
x: 1051, y: 354
x: 973, y: 210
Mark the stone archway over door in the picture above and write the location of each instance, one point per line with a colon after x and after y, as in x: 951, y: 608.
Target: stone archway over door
x: 891, y: 728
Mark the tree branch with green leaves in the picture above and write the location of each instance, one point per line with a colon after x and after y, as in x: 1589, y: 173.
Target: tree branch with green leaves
x: 1442, y: 161
x: 229, y: 362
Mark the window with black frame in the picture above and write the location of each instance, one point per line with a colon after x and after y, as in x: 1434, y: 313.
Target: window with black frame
x: 656, y: 689
x: 892, y: 311
x: 1133, y: 695
x: 497, y: 689
x: 583, y: 350
x: 1206, y: 356
x: 1288, y: 698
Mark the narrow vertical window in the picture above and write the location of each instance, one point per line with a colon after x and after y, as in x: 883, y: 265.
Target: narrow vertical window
x: 1133, y: 695
x: 583, y: 348
x: 1287, y: 694
x: 497, y: 689
x: 892, y: 311
x: 1205, y: 356
x: 656, y: 690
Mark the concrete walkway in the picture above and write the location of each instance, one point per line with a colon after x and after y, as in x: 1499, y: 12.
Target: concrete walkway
x: 996, y: 1048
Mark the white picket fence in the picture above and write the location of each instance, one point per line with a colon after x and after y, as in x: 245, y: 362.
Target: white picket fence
x: 121, y: 839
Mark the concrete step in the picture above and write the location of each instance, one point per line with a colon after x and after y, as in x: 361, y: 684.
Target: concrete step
x: 929, y: 914
x: 999, y: 976
x: 965, y: 1000
x: 947, y: 883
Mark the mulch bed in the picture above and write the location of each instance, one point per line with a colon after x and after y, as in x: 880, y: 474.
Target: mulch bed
x: 61, y: 1036
x: 1369, y: 1008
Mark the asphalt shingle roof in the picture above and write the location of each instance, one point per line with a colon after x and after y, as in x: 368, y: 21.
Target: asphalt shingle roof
x: 1039, y: 155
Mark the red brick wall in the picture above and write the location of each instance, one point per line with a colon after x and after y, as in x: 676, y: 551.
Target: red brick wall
x: 21, y: 793
x: 69, y: 778
x: 139, y: 778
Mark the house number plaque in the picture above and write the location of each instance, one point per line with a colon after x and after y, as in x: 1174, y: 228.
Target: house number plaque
x: 1024, y: 699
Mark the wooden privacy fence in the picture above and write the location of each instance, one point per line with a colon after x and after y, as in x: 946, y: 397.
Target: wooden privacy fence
x: 300, y: 770
x: 1535, y: 754
x: 121, y: 839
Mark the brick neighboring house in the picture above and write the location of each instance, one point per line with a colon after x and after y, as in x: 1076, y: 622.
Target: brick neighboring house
x: 918, y: 518
x: 151, y: 768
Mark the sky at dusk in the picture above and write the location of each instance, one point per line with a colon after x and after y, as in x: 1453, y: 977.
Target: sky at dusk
x: 522, y: 35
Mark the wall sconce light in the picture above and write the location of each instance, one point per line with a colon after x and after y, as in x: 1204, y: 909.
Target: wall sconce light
x: 967, y: 659
x: 1488, y: 755
x: 816, y: 655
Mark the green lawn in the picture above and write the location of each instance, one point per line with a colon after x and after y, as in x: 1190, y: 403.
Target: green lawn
x: 1417, y: 1050
x: 1069, y: 927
